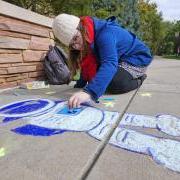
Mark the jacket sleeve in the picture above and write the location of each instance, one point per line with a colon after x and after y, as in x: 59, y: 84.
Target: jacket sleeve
x: 108, y: 58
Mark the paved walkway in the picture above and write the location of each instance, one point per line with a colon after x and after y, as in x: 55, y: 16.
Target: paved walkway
x: 64, y: 156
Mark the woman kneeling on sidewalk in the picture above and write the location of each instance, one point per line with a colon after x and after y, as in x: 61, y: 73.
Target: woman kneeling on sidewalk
x: 111, y: 58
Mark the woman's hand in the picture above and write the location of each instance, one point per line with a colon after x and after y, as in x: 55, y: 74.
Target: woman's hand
x: 77, y: 98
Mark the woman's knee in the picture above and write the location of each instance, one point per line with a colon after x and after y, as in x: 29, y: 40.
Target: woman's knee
x: 117, y: 87
x: 120, y: 87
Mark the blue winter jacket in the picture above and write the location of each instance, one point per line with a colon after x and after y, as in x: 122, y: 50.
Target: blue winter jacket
x: 113, y: 44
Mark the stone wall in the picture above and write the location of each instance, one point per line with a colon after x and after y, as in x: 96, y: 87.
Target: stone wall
x: 23, y: 44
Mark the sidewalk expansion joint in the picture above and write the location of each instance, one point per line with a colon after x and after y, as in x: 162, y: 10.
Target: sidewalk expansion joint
x: 92, y: 161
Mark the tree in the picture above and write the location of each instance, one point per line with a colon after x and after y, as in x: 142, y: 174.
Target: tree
x: 129, y: 15
x: 150, y: 24
x: 76, y: 7
x: 177, y: 38
x: 40, y: 6
x: 102, y: 8
x: 170, y: 42
x: 138, y: 16
x: 125, y: 10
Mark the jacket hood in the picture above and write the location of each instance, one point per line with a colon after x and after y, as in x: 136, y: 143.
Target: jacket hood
x: 99, y: 24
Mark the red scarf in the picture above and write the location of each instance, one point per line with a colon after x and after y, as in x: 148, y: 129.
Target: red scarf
x: 88, y: 63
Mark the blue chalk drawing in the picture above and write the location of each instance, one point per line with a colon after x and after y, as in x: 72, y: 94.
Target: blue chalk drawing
x: 108, y: 99
x: 8, y: 119
x: 46, y: 118
x: 26, y: 108
x: 36, y: 130
x: 71, y: 112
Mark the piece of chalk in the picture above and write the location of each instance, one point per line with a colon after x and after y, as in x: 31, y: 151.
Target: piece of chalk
x: 108, y: 99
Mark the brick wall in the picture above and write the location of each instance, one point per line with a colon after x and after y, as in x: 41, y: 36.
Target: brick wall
x: 22, y: 48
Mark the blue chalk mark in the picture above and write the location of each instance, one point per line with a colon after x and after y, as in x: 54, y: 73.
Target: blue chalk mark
x: 127, y: 117
x: 103, y: 115
x: 12, y: 106
x: 68, y: 111
x: 112, y: 117
x: 36, y: 130
x: 24, y: 107
x: 151, y: 152
x: 102, y: 129
x: 108, y: 99
x: 125, y: 136
x: 9, y: 119
x: 132, y: 118
x: 58, y: 101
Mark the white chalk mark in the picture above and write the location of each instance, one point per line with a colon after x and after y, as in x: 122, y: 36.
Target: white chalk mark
x: 146, y: 94
x: 109, y: 104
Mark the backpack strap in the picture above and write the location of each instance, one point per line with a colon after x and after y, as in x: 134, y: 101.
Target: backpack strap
x: 111, y: 19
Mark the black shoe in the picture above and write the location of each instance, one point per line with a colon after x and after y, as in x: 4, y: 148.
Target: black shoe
x: 141, y: 79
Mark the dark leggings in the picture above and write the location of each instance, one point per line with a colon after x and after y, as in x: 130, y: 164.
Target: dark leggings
x: 123, y: 82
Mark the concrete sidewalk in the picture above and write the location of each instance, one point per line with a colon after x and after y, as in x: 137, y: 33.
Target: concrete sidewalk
x: 160, y: 94
x: 63, y: 156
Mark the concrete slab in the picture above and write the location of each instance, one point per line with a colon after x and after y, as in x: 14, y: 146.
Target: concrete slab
x: 160, y: 94
x: 55, y: 157
x: 163, y: 71
x: 116, y: 163
x: 63, y: 156
x: 60, y: 156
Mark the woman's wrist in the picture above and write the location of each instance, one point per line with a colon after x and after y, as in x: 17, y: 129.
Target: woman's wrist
x: 92, y: 97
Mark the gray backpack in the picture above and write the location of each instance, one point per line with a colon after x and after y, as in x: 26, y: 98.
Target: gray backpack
x: 55, y: 66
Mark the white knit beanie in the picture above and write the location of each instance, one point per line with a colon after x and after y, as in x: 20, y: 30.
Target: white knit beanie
x: 65, y: 27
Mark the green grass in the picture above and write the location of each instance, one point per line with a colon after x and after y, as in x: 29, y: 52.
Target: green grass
x: 171, y: 57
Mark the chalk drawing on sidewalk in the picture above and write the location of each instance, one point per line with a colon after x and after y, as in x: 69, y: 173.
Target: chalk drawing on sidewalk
x: 50, y: 92
x: 146, y: 94
x: 165, y: 123
x: 2, y: 152
x: 109, y: 104
x: 107, y: 99
x: 45, y: 118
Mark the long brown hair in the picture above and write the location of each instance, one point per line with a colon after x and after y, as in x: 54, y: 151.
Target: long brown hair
x: 75, y: 56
